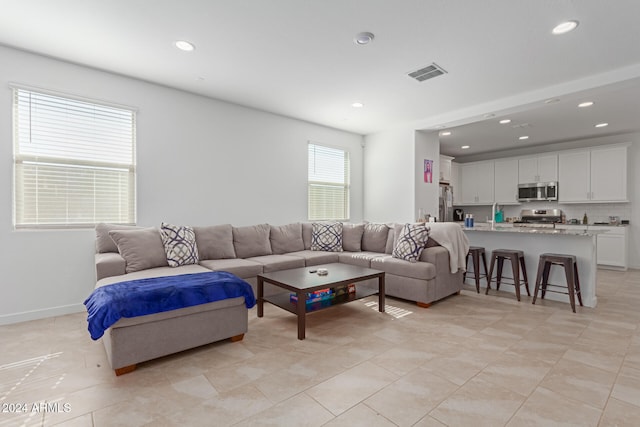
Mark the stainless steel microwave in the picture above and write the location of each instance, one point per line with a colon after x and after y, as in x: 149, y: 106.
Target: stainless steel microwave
x: 538, y: 191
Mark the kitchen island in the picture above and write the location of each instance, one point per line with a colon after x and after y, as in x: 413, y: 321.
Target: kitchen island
x: 536, y: 241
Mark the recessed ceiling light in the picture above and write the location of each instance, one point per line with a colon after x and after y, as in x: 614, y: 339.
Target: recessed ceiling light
x: 565, y: 27
x: 522, y: 138
x: 504, y: 121
x: 363, y: 38
x: 551, y: 101
x: 445, y: 133
x: 357, y: 105
x: 184, y: 45
x: 465, y: 147
x: 585, y: 104
x: 601, y: 125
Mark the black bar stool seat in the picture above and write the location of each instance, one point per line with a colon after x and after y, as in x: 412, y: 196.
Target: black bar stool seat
x: 516, y: 257
x: 476, y: 252
x: 570, y: 265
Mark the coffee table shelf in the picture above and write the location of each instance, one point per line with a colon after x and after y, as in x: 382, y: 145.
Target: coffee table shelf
x: 283, y: 300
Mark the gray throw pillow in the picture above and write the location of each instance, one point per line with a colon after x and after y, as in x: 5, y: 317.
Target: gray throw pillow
x: 215, y: 242
x: 326, y: 236
x: 252, y: 240
x: 286, y: 238
x: 352, y: 237
x: 179, y: 244
x: 141, y: 249
x: 374, y: 238
x: 307, y: 229
x: 411, y: 241
x: 104, y: 242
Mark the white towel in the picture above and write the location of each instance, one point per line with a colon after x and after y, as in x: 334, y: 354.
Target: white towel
x: 452, y: 238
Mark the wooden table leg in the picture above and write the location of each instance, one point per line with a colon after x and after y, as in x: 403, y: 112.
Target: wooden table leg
x: 260, y: 296
x: 301, y: 306
x: 381, y: 293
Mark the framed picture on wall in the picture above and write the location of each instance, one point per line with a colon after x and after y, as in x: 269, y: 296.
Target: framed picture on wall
x: 428, y: 171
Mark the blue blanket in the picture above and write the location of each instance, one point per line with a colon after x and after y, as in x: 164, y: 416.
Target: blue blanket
x: 107, y: 304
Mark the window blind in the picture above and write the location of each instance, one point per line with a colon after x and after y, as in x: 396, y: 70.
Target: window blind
x: 328, y: 189
x: 74, y: 162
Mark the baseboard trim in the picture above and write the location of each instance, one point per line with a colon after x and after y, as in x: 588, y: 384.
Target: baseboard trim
x: 25, y: 316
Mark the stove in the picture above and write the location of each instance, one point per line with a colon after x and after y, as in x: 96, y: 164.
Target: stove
x: 544, y: 218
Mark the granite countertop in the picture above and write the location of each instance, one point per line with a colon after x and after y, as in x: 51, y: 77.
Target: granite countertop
x: 530, y: 230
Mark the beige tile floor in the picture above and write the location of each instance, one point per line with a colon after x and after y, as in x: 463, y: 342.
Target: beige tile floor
x: 470, y: 360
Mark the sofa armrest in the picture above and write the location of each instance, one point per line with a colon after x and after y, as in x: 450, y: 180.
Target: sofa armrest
x: 438, y: 256
x: 109, y: 264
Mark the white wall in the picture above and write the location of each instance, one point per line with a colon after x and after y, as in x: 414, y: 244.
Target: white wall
x: 427, y: 146
x: 390, y: 182
x: 200, y: 161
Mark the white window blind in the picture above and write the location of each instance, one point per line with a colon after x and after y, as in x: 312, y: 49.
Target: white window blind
x: 74, y: 162
x: 328, y: 183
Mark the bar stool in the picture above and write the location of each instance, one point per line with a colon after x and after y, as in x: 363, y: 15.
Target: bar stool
x: 476, y: 252
x: 516, y: 258
x: 570, y: 265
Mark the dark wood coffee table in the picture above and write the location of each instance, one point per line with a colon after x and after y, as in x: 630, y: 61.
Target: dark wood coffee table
x: 301, y: 281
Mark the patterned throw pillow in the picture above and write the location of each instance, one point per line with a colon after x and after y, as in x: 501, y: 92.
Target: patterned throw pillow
x: 326, y: 236
x: 411, y: 241
x: 179, y: 244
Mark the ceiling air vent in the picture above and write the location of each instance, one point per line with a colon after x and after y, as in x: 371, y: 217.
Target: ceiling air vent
x: 426, y: 73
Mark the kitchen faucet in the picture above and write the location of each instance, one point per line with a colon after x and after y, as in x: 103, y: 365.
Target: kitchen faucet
x: 494, y: 207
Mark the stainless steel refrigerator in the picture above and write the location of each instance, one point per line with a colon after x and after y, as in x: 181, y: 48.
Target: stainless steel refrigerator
x: 446, y: 203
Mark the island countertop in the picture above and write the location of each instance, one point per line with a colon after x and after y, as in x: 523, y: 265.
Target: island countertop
x: 533, y: 230
x: 536, y: 241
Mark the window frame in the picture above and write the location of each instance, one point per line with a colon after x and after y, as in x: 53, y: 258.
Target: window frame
x: 74, y: 165
x: 345, y: 186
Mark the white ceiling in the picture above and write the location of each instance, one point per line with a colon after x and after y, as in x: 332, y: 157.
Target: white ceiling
x: 297, y: 58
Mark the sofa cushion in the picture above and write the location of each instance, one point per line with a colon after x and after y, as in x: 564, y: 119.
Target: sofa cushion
x: 278, y: 262
x: 179, y: 244
x: 326, y: 236
x: 307, y: 230
x: 153, y: 272
x: 411, y: 241
x: 374, y: 238
x: 242, y: 268
x: 104, y: 242
x: 399, y: 267
x: 215, y: 242
x: 352, y: 237
x: 141, y: 249
x: 362, y: 259
x: 391, y: 238
x: 252, y: 240
x: 316, y: 257
x: 286, y: 238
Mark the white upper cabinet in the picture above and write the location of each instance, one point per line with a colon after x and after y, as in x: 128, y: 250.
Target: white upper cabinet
x: 543, y: 168
x: 477, y: 183
x: 573, y: 176
x: 505, y: 178
x: 596, y: 175
x: 445, y: 168
x: 609, y: 174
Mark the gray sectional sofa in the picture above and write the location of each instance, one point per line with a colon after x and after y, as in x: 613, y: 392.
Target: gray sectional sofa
x: 126, y: 253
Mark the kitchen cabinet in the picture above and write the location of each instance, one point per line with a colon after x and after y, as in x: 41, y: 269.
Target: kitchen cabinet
x: 477, y: 180
x: 543, y: 168
x: 504, y: 181
x: 611, y: 245
x: 596, y: 175
x: 445, y: 169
